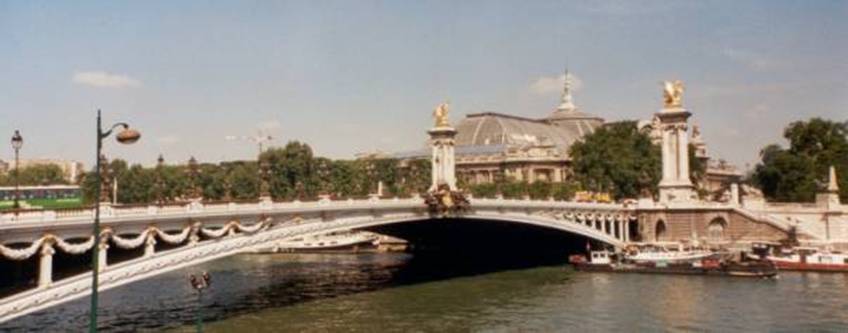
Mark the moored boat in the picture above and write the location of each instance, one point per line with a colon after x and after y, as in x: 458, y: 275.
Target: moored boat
x: 654, y: 253
x: 604, y: 261
x: 802, y: 258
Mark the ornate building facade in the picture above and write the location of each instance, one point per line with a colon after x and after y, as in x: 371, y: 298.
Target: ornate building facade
x: 494, y: 145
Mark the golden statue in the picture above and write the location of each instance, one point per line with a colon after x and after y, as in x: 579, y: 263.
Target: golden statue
x: 673, y: 93
x: 441, y: 115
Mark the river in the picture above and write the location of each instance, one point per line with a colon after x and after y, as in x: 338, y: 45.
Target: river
x: 399, y: 292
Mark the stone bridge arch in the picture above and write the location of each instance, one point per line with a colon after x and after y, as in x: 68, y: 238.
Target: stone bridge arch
x: 233, y: 233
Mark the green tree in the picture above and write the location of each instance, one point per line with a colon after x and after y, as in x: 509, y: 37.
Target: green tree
x: 244, y: 181
x: 484, y: 190
x: 292, y: 171
x: 799, y: 172
x: 135, y: 185
x: 415, y: 176
x: 47, y: 174
x: 619, y: 159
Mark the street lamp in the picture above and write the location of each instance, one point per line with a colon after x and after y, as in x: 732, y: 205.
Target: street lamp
x: 199, y: 284
x: 193, y: 172
x: 17, y: 143
x: 125, y: 136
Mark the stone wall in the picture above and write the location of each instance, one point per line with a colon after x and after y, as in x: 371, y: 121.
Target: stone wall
x: 715, y: 226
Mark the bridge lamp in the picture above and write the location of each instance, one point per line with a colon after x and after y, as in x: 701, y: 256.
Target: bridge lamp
x: 125, y: 136
x: 199, y: 283
x: 17, y: 143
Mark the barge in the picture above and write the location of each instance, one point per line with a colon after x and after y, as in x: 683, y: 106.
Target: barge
x: 604, y: 261
x: 808, y: 259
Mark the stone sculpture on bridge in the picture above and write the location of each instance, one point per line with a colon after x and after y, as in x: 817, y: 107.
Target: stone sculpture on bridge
x: 441, y: 115
x: 673, y: 94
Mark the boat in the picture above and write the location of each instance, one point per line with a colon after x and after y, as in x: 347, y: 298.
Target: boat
x: 344, y: 241
x: 802, y: 258
x: 653, y: 253
x: 605, y: 261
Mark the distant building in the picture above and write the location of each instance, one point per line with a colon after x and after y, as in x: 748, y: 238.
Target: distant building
x: 493, y: 145
x: 4, y: 167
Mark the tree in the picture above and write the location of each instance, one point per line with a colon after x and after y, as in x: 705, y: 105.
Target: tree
x: 415, y: 176
x: 799, y: 172
x: 135, y: 185
x: 46, y: 174
x: 244, y: 181
x: 292, y: 171
x: 619, y: 159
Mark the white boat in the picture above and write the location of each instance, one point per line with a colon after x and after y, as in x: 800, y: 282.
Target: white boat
x: 659, y: 253
x: 331, y: 241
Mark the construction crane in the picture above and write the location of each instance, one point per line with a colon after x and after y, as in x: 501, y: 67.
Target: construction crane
x: 259, y: 139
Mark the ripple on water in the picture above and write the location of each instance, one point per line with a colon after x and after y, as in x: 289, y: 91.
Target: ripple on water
x: 320, y: 293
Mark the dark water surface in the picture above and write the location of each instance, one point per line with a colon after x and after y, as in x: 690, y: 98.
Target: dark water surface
x: 396, y: 292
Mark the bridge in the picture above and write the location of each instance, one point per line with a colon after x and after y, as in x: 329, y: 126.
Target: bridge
x: 175, y: 236
x: 196, y: 232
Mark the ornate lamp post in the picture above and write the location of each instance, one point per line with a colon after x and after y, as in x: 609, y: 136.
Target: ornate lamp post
x: 17, y: 143
x: 264, y: 181
x: 193, y: 173
x: 160, y: 181
x: 199, y: 284
x: 126, y: 136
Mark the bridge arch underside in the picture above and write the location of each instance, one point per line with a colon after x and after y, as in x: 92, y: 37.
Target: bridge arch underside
x: 488, y: 240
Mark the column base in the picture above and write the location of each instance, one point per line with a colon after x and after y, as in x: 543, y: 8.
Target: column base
x: 678, y: 194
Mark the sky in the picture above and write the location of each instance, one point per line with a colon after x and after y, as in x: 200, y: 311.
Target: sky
x: 361, y: 76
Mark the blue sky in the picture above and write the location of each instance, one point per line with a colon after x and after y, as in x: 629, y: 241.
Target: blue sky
x: 354, y: 76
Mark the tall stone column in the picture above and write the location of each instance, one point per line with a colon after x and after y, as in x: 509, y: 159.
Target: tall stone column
x: 676, y: 185
x: 443, y: 142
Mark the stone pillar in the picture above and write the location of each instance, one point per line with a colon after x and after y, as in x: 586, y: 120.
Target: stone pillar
x: 621, y: 230
x: 734, y: 194
x: 604, y: 225
x: 444, y: 169
x: 45, y: 264
x: 676, y: 185
x: 150, y: 245
x: 101, y: 256
x: 626, y: 234
x: 683, y: 153
x: 193, y: 237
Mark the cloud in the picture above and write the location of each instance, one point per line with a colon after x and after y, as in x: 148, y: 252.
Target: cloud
x: 749, y: 59
x: 168, y: 139
x: 103, y: 79
x: 553, y: 84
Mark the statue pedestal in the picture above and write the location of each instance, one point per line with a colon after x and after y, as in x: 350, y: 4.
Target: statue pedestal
x: 443, y: 159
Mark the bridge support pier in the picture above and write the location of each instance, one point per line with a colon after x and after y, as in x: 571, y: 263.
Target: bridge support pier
x: 150, y: 245
x: 45, y: 265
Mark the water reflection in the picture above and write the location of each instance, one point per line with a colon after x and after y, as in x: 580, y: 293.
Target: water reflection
x: 400, y: 293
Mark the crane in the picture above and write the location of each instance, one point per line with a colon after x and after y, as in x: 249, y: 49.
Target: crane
x: 260, y: 139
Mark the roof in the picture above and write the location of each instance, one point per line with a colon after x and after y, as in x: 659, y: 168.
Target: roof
x: 560, y: 130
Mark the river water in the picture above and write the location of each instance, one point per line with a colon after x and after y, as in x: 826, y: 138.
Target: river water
x: 400, y: 292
